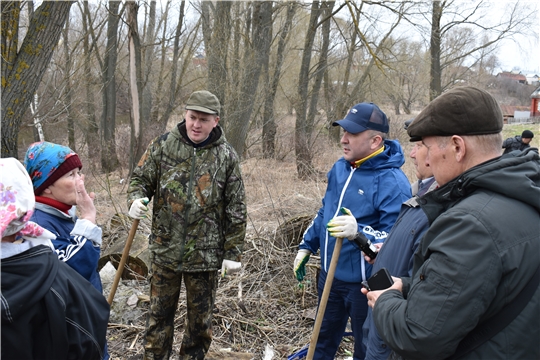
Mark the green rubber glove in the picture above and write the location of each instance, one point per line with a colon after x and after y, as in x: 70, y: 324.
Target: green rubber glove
x: 300, y: 263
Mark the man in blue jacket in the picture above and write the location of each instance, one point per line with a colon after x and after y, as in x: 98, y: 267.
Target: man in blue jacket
x: 397, y: 254
x: 368, y: 181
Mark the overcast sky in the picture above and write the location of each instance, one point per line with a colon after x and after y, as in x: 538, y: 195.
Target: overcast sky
x: 523, y: 52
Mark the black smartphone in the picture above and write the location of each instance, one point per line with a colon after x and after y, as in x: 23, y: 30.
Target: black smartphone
x: 379, y: 281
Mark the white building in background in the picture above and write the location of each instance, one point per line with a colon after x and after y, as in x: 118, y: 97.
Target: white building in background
x: 533, y: 79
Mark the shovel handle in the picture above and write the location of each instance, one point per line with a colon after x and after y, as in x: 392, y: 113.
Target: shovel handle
x: 123, y: 260
x: 324, y: 298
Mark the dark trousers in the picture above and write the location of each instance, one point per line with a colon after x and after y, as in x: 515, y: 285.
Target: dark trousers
x: 345, y: 300
x: 164, y: 294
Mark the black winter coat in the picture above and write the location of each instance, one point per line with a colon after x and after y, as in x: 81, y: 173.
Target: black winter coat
x: 49, y: 311
x: 481, y: 249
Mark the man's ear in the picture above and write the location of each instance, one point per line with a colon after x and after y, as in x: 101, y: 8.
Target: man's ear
x: 376, y: 141
x: 459, y: 147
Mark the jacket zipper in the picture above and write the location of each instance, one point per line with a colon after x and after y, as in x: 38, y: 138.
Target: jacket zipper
x: 188, y: 207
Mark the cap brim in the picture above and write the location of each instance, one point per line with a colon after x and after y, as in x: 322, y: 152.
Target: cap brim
x: 201, y: 109
x: 349, y: 126
x: 415, y: 138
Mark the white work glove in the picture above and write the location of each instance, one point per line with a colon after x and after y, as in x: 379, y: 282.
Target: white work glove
x: 230, y: 267
x: 300, y: 263
x: 344, y: 226
x: 138, y: 209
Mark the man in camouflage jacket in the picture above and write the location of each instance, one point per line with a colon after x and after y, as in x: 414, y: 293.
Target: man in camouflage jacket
x: 198, y: 223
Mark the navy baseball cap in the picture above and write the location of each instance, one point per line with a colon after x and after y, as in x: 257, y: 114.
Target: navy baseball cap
x: 362, y: 117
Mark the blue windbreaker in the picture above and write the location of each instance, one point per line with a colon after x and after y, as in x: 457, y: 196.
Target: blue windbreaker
x: 77, y: 241
x: 374, y: 193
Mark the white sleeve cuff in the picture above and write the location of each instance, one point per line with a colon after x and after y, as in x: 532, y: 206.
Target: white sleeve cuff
x: 87, y: 229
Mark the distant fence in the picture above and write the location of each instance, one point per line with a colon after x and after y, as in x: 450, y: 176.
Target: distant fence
x: 530, y: 120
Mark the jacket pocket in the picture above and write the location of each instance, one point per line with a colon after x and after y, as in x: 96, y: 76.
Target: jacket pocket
x: 430, y: 284
x: 205, y: 259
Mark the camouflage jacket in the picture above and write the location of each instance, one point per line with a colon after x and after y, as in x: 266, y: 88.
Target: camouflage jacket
x: 199, y: 211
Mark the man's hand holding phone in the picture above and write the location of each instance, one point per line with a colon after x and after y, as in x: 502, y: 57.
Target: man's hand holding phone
x: 378, y: 283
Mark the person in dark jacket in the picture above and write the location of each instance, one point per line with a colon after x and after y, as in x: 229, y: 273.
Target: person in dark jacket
x: 517, y: 142
x: 369, y: 183
x: 48, y: 310
x: 482, y: 245
x: 397, y: 253
x: 193, y: 176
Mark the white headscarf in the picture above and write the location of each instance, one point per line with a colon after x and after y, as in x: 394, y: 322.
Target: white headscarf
x: 17, y: 205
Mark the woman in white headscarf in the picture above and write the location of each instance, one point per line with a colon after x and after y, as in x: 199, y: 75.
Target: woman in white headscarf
x: 48, y: 310
x: 16, y: 207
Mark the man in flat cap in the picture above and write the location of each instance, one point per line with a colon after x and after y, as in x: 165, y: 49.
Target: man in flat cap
x: 198, y: 224
x: 473, y: 292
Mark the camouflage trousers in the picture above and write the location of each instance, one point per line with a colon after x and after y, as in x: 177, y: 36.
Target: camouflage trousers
x: 164, y: 294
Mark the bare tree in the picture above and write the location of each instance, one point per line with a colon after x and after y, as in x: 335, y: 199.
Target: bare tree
x: 320, y: 70
x: 23, y: 68
x: 68, y: 89
x: 216, y: 27
x: 435, y: 49
x: 109, y: 158
x: 136, y: 83
x: 405, y: 80
x: 448, y: 15
x: 337, y: 96
x: 170, y: 101
x: 90, y: 125
x: 303, y: 152
x: 256, y: 52
x: 269, y: 124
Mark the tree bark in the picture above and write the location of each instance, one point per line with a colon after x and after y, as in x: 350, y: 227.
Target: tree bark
x: 22, y: 72
x: 109, y: 158
x: 269, y: 123
x: 90, y: 124
x: 68, y: 90
x: 135, y: 84
x: 146, y: 100
x: 216, y: 40
x: 256, y: 52
x: 326, y: 11
x: 302, y: 134
x: 435, y: 50
x: 91, y: 127
x: 173, y: 84
x: 340, y: 104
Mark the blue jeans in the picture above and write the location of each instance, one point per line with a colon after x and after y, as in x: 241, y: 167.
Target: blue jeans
x: 345, y: 300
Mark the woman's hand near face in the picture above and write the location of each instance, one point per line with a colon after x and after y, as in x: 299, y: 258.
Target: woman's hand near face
x: 85, y: 201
